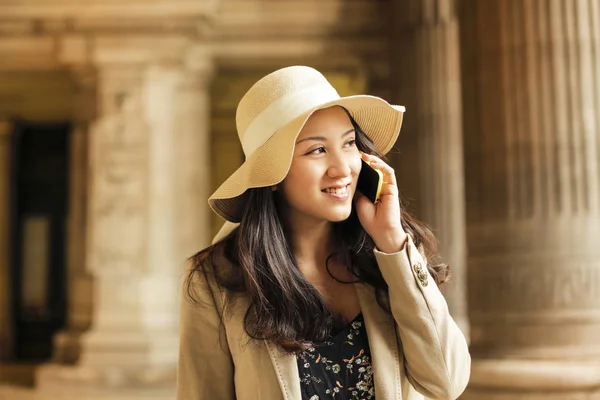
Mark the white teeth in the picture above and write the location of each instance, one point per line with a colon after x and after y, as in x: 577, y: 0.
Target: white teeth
x: 337, y: 190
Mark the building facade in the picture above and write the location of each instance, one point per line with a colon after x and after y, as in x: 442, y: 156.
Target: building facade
x: 117, y: 122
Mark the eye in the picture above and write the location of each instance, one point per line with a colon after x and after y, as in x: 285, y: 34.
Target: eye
x: 318, y: 150
x: 351, y: 143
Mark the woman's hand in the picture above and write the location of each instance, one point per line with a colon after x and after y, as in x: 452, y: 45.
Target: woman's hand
x: 382, y: 220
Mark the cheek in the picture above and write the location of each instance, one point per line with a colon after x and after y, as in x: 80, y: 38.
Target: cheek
x: 356, y: 165
x: 297, y: 176
x: 298, y: 180
x: 306, y: 171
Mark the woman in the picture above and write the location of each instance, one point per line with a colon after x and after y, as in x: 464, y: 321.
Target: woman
x: 316, y: 292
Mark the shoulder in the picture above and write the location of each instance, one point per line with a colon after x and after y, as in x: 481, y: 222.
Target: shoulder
x: 207, y: 274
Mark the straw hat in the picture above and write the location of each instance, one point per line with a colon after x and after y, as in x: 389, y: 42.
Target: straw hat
x: 271, y: 115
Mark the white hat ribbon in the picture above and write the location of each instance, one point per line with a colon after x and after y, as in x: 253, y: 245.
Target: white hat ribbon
x: 281, y: 112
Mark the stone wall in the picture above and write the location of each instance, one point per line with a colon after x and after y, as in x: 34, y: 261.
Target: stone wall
x: 151, y: 89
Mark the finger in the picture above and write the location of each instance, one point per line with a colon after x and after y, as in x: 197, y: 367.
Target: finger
x: 389, y: 175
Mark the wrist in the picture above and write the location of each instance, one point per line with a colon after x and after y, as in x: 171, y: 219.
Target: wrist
x: 394, y: 243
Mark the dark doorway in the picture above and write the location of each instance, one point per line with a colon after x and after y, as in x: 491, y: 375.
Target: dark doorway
x: 39, y: 187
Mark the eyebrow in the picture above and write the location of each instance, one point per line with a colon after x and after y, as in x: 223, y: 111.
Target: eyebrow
x: 322, y: 138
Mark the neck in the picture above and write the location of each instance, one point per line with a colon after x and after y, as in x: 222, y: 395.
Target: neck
x: 311, y: 242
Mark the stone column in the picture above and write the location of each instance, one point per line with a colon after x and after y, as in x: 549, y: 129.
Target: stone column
x: 6, y: 129
x: 430, y: 160
x: 194, y: 161
x: 531, y: 95
x: 149, y: 155
x: 66, y: 342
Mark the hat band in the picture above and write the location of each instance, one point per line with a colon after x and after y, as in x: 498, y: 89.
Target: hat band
x: 282, y: 111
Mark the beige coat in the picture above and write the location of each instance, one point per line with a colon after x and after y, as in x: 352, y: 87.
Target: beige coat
x: 418, y: 351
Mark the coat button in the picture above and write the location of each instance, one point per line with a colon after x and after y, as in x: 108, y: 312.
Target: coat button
x: 421, y: 274
x: 418, y: 268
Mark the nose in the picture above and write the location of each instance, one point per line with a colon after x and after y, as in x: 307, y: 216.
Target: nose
x: 339, y: 166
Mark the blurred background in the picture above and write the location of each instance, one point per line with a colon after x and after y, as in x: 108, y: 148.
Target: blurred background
x: 117, y: 122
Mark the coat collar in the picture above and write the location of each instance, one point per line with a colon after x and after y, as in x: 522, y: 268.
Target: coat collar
x: 286, y: 368
x: 381, y: 331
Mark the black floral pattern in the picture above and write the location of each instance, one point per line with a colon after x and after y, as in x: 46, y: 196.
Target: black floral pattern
x: 340, y: 368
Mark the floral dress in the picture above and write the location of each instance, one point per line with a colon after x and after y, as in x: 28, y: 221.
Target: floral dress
x: 340, y: 368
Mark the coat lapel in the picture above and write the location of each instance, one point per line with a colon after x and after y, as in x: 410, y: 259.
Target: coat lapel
x: 286, y: 368
x: 284, y: 365
x: 381, y: 331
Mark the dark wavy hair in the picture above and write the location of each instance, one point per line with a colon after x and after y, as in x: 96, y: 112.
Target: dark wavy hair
x: 285, y: 308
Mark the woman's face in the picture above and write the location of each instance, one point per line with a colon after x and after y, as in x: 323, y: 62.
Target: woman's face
x: 325, y: 166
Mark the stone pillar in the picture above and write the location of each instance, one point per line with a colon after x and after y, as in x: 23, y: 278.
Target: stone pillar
x: 149, y: 159
x: 430, y: 160
x: 532, y: 141
x: 194, y: 161
x: 66, y: 342
x: 6, y: 129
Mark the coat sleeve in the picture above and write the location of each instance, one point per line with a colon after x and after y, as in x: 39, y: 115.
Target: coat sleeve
x: 436, y: 354
x: 205, y: 369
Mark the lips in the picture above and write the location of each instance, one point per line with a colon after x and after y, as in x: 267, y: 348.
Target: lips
x: 338, y: 192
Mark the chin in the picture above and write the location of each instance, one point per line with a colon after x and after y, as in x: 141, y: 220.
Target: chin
x: 339, y: 216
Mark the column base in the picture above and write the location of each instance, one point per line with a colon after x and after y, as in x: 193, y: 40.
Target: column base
x: 114, y: 362
x: 533, y: 380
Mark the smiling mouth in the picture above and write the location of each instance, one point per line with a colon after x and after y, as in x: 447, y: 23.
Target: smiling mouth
x: 337, y: 191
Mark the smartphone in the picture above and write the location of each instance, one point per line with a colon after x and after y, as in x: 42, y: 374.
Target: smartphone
x: 370, y: 181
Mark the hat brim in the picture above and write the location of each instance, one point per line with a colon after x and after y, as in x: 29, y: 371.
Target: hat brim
x: 269, y: 164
